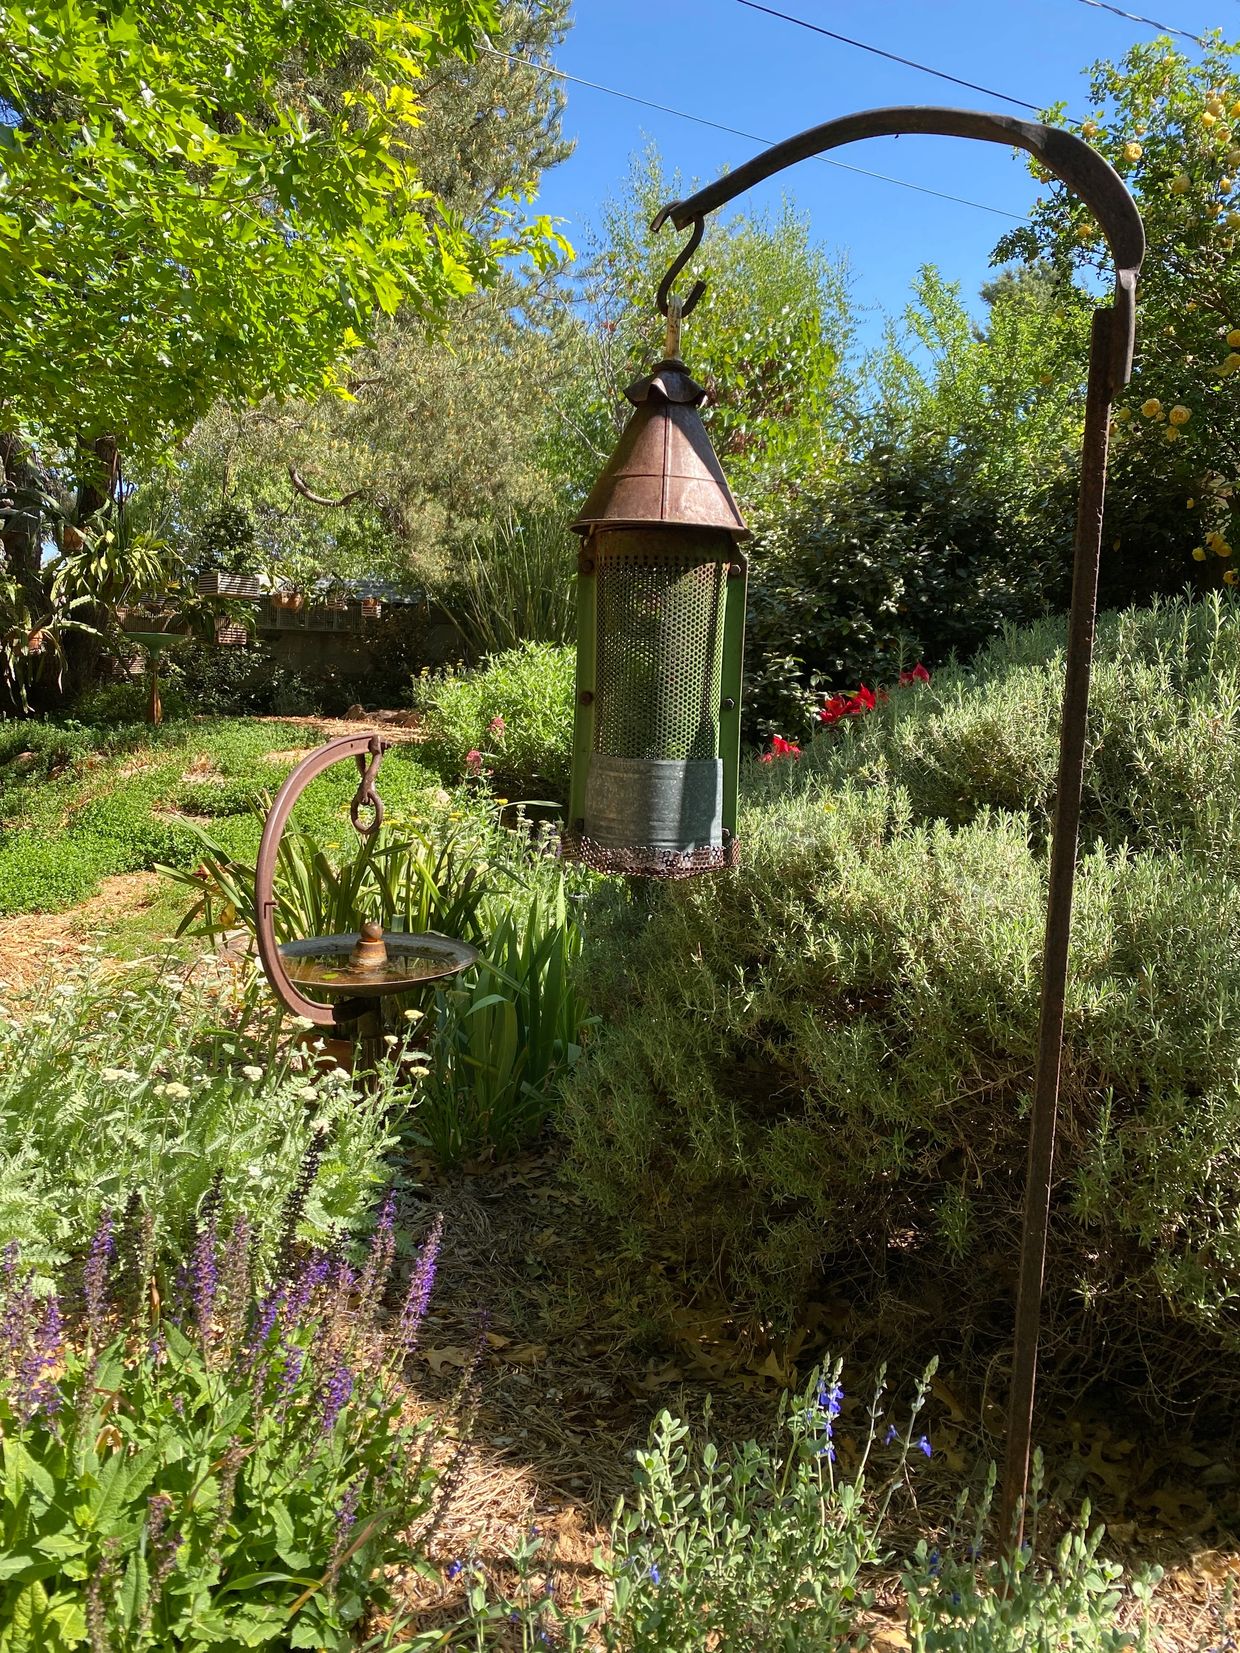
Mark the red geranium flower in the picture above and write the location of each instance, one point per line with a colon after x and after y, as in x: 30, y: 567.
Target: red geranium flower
x: 781, y: 748
x: 919, y: 674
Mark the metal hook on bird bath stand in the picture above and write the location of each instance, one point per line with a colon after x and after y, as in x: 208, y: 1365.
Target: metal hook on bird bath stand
x: 358, y: 968
x: 656, y: 717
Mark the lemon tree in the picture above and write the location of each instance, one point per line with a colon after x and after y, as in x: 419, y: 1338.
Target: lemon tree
x: 1170, y: 125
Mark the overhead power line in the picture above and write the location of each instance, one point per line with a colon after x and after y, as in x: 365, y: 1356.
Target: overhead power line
x: 1133, y: 17
x: 750, y: 137
x: 892, y: 57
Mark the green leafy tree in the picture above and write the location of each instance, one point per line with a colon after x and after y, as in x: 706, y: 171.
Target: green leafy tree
x: 215, y: 203
x: 1170, y: 125
x: 432, y: 434
x: 952, y: 513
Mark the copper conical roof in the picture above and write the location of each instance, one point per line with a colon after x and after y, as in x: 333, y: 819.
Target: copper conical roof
x: 664, y: 471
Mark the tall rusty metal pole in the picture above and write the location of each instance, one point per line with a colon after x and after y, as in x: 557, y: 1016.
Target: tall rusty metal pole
x: 1064, y: 844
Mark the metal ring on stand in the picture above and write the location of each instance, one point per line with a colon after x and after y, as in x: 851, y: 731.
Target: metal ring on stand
x: 363, y: 747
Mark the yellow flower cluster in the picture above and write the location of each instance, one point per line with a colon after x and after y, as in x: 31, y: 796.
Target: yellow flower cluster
x: 1218, y: 544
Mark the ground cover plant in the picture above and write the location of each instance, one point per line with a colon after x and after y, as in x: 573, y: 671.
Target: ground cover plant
x: 142, y: 1091
x: 78, y: 803
x: 819, y: 1066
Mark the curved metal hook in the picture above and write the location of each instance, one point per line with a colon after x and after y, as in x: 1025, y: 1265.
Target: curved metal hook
x: 663, y: 298
x: 366, y: 797
x: 1070, y: 158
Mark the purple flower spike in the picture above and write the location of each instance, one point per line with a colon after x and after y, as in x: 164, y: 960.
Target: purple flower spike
x: 95, y: 1274
x: 206, y: 1280
x: 336, y: 1394
x: 35, y: 1389
x: 417, y: 1298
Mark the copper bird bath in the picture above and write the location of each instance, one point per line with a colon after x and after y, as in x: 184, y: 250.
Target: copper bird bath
x: 357, y: 968
x: 666, y: 497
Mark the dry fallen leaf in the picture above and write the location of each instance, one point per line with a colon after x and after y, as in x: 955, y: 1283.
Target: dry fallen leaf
x: 440, y: 1359
x: 527, y: 1354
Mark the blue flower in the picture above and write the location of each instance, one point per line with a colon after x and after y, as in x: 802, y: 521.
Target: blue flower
x: 922, y: 1443
x: 655, y: 1576
x: 454, y: 1569
x: 892, y: 1434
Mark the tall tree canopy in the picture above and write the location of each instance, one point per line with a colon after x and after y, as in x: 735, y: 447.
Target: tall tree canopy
x: 202, y: 204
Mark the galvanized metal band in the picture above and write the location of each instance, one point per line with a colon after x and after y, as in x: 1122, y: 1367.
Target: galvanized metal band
x: 660, y: 803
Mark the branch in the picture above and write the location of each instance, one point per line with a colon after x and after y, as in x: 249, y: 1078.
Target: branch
x: 294, y: 476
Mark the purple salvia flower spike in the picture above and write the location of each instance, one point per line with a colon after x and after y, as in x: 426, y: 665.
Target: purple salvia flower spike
x: 418, y: 1296
x: 95, y: 1275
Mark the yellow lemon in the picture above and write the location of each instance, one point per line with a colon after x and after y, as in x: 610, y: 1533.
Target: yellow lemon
x: 1180, y: 415
x: 1089, y: 129
x: 1199, y: 554
x: 1181, y: 184
x: 1133, y: 152
x: 1152, y: 409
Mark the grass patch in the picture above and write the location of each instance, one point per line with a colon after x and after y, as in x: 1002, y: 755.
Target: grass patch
x: 79, y: 804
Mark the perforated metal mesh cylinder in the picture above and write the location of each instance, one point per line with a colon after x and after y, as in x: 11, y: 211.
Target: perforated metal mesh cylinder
x: 660, y: 644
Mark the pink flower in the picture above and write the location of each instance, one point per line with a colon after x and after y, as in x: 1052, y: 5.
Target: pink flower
x: 473, y: 762
x: 496, y: 725
x: 919, y: 674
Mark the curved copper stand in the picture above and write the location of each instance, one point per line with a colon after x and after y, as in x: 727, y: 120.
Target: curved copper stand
x: 1090, y: 176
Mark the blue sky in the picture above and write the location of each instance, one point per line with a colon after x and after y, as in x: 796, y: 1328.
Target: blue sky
x: 724, y: 62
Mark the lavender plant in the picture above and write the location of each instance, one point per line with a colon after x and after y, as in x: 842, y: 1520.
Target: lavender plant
x: 235, y: 1474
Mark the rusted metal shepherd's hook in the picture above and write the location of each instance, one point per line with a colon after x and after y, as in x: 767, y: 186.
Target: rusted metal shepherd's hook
x: 1089, y: 176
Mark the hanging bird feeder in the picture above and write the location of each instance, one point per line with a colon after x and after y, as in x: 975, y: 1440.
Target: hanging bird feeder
x: 660, y: 629
x: 357, y: 970
x: 660, y: 632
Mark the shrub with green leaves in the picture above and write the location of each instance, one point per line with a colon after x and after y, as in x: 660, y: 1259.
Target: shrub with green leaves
x: 113, y: 1093
x: 510, y: 720
x: 819, y: 1066
x: 235, y: 1474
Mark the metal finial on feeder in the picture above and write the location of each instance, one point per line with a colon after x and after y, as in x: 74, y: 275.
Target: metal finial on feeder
x: 661, y: 614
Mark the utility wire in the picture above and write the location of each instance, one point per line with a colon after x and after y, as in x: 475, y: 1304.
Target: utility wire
x: 892, y: 57
x: 1133, y: 17
x: 750, y: 137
